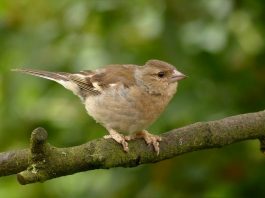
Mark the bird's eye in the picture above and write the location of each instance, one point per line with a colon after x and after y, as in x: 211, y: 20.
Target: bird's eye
x: 161, y: 74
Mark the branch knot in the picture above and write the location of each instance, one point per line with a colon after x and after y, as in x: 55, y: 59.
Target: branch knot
x: 39, y: 149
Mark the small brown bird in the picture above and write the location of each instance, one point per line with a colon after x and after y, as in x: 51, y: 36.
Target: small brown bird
x: 125, y: 99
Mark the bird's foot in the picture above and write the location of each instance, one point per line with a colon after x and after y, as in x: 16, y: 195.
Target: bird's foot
x: 148, y: 137
x: 118, y: 138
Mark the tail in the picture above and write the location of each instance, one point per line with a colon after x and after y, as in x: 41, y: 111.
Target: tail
x: 62, y: 78
x: 58, y: 77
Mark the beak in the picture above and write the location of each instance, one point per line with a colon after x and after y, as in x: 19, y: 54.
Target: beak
x: 176, y: 76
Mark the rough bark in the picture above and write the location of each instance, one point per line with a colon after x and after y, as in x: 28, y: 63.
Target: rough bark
x: 43, y: 161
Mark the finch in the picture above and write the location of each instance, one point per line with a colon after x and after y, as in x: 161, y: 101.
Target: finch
x: 124, y: 98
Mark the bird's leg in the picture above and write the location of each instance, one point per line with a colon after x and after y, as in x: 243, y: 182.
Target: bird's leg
x: 148, y: 137
x: 118, y: 138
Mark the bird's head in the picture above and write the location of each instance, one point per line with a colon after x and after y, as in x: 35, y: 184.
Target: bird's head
x: 160, y: 77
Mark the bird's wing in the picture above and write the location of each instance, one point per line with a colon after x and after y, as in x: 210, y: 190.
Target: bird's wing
x: 95, y: 82
x: 115, y: 74
x: 83, y: 81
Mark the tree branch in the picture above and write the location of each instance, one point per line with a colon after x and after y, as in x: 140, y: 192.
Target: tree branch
x: 43, y: 161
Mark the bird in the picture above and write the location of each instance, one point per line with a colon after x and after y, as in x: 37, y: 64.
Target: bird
x: 124, y: 98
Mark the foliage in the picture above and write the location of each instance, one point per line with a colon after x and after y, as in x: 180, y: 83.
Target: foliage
x: 219, y: 44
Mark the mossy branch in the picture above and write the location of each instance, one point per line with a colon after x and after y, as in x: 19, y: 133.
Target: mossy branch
x: 43, y: 161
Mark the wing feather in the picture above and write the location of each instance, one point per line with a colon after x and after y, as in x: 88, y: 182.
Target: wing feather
x: 84, y: 83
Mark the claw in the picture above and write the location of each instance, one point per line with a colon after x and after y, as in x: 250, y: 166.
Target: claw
x: 149, y: 138
x: 118, y: 138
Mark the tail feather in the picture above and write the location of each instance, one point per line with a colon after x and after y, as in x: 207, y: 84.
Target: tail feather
x: 55, y: 76
x: 59, y: 77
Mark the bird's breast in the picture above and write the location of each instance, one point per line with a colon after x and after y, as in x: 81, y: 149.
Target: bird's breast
x: 125, y: 110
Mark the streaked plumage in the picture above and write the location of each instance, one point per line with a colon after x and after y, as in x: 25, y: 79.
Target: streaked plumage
x: 125, y: 99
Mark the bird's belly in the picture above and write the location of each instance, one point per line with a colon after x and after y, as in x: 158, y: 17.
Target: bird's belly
x: 121, y: 110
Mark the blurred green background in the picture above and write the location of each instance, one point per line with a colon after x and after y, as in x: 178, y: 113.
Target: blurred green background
x: 219, y: 44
